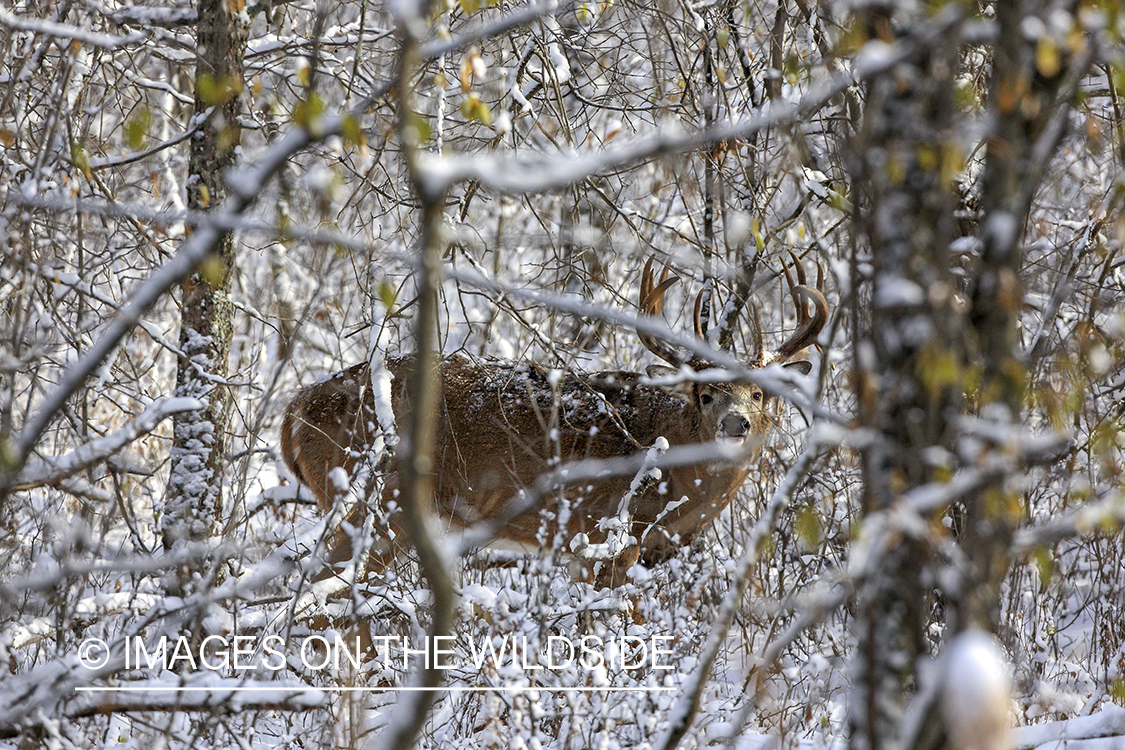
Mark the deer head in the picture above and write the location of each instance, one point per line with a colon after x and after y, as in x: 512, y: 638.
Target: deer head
x: 735, y: 412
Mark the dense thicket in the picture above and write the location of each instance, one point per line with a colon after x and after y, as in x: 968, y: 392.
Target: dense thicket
x: 203, y: 208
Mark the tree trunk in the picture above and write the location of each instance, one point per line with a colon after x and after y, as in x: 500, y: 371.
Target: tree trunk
x: 193, y: 504
x: 909, y: 359
x: 928, y: 359
x: 1022, y: 98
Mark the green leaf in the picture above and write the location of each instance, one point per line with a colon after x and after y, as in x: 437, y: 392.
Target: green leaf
x: 80, y: 157
x: 1044, y: 565
x: 809, y: 531
x: 474, y: 109
x: 351, y: 130
x: 213, y: 270
x: 387, y: 295
x: 308, y: 112
x: 136, y: 128
x: 212, y: 91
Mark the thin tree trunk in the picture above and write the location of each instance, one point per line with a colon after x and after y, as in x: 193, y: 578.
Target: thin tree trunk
x: 1022, y: 99
x: 909, y: 360
x: 194, y: 499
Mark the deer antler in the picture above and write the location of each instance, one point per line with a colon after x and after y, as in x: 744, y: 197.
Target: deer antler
x: 809, y: 325
x: 697, y: 316
x: 756, y: 335
x: 652, y: 304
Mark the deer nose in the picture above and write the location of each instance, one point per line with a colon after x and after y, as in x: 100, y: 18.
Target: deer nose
x: 735, y: 425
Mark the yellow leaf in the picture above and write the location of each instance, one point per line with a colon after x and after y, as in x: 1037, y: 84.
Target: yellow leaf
x: 1048, y: 58
x: 387, y: 295
x: 80, y: 158
x: 213, y: 270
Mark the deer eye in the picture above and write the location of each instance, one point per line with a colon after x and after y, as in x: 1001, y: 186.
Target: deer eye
x: 757, y: 396
x: 705, y: 399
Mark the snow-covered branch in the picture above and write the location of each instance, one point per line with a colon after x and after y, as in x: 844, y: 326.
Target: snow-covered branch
x: 1081, y: 733
x: 61, y: 690
x: 52, y: 470
x: 141, y: 300
x: 1104, y: 516
x: 65, y: 31
x: 539, y: 174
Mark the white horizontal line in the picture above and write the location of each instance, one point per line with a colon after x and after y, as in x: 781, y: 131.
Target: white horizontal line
x: 407, y: 689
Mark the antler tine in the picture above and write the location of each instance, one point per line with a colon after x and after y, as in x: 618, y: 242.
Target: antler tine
x: 756, y: 334
x: 809, y: 326
x: 802, y: 279
x: 652, y: 296
x: 697, y: 316
x: 802, y: 313
x: 646, y: 284
x: 652, y: 304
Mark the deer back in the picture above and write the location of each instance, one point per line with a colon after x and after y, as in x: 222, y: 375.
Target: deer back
x: 503, y: 425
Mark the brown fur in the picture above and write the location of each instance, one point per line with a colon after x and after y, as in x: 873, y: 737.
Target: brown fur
x: 502, y: 426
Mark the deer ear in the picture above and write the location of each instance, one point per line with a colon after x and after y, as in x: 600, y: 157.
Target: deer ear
x: 659, y: 371
x: 803, y: 366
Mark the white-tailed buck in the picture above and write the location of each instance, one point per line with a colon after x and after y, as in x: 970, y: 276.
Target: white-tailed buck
x: 503, y: 425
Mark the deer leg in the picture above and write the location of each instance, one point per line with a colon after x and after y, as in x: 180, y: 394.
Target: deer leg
x: 612, y: 572
x: 380, y: 553
x: 657, y: 546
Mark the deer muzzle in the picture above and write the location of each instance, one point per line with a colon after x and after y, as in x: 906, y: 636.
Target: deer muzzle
x: 734, y: 426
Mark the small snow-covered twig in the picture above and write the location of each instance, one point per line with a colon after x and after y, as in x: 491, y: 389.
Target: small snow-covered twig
x: 144, y: 297
x: 521, y: 176
x: 680, y: 717
x: 120, y: 161
x: 618, y: 538
x: 594, y: 469
x: 74, y: 281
